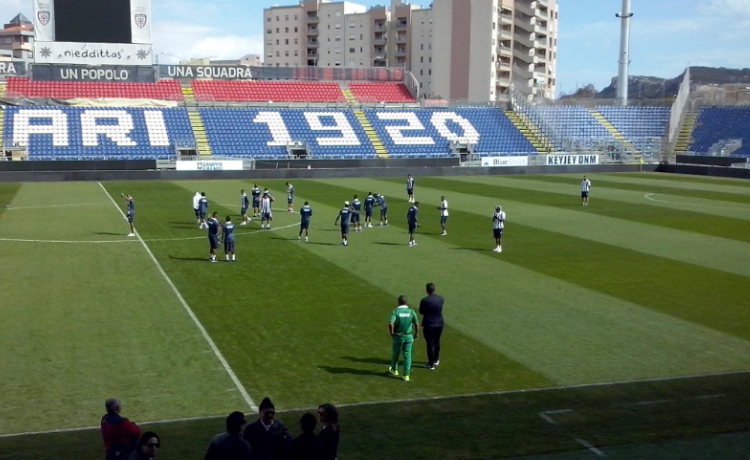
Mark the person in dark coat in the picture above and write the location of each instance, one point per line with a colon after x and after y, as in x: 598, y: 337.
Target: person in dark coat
x: 431, y: 309
x: 148, y: 446
x: 230, y: 445
x: 120, y: 434
x: 307, y: 445
x: 329, y: 435
x: 269, y: 439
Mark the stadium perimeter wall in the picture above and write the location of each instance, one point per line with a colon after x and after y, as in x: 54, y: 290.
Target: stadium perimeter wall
x: 400, y: 169
x: 710, y: 171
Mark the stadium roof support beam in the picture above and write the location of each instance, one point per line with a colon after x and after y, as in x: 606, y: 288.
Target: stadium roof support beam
x: 623, y: 74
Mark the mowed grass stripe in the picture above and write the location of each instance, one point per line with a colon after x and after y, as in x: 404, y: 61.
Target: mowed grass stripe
x: 555, y: 326
x: 627, y: 274
x: 82, y: 323
x: 723, y: 227
x: 650, y: 187
x: 721, y: 185
x: 295, y: 326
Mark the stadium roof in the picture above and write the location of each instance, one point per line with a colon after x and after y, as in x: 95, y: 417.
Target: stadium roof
x: 19, y: 19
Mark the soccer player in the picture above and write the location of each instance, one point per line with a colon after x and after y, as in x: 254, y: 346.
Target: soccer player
x: 290, y: 197
x: 344, y: 216
x: 196, y: 207
x: 131, y: 212
x: 244, y: 207
x: 498, y: 224
x: 213, y: 235
x: 369, y: 208
x: 411, y: 219
x: 585, y: 189
x: 410, y: 188
x: 356, y: 211
x: 266, y: 214
x: 443, y: 214
x: 404, y: 328
x: 228, y: 231
x: 255, y: 192
x: 305, y: 213
x: 202, y: 211
x: 383, y: 210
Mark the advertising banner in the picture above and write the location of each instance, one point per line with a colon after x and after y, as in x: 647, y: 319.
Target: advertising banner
x: 13, y: 69
x: 571, y: 160
x: 197, y: 72
x: 218, y: 165
x: 92, y: 53
x: 140, y: 21
x: 44, y: 20
x: 504, y: 161
x: 110, y: 74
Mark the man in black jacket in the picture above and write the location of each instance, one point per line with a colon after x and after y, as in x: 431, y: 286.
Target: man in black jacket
x: 431, y: 309
x: 269, y: 439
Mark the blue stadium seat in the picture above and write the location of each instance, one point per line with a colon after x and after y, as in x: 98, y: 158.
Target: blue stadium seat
x: 716, y: 124
x: 72, y: 133
x: 640, y: 125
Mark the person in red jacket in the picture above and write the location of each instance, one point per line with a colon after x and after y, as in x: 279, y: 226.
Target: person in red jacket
x: 120, y: 434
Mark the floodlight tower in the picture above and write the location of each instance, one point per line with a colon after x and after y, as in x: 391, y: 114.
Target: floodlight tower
x: 622, y: 77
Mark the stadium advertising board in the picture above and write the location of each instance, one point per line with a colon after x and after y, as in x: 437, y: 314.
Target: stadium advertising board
x: 92, y: 53
x: 219, y: 165
x: 206, y: 72
x: 126, y: 74
x: 504, y: 161
x: 12, y: 69
x: 571, y: 160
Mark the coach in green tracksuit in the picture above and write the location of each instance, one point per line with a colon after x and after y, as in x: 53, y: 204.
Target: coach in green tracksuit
x: 404, y: 329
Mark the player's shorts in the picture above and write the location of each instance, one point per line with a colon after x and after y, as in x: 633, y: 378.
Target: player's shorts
x: 202, y: 215
x: 443, y: 219
x: 256, y: 203
x: 243, y: 211
x: 368, y: 214
x: 266, y: 216
x: 345, y: 229
x: 290, y: 200
x: 304, y: 225
x: 131, y: 217
x: 197, y: 212
x: 214, y: 241
x: 410, y: 191
x: 498, y: 232
x: 383, y: 212
x: 412, y: 227
x: 355, y: 218
x: 229, y: 246
x: 584, y: 194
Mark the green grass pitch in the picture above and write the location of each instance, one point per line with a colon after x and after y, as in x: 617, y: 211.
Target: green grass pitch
x: 619, y: 329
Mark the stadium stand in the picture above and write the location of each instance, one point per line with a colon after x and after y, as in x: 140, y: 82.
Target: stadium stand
x: 245, y: 91
x: 265, y: 133
x: 574, y: 124
x: 721, y: 124
x: 73, y: 133
x: 429, y: 132
x: 381, y: 92
x: 168, y: 90
x: 640, y: 125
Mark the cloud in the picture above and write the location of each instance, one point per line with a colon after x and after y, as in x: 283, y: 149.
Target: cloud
x: 178, y: 40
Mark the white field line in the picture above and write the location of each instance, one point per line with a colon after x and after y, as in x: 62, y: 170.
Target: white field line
x: 52, y: 206
x: 190, y: 312
x: 548, y: 419
x: 429, y: 398
x: 590, y: 447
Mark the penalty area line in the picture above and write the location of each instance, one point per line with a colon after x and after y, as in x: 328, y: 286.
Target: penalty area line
x: 190, y: 313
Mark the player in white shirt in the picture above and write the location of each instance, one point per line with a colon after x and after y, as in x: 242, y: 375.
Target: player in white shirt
x: 196, y: 207
x: 585, y: 189
x: 498, y: 224
x: 443, y: 214
x: 266, y: 215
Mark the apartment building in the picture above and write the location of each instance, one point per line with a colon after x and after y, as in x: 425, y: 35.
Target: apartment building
x: 17, y: 39
x: 457, y: 49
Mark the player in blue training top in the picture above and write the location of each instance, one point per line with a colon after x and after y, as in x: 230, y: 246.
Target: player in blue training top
x: 305, y: 213
x: 255, y: 192
x: 228, y: 231
x: 410, y: 188
x: 369, y: 208
x: 244, y: 206
x: 213, y: 226
x: 266, y: 210
x: 344, y: 216
x: 411, y: 219
x: 290, y: 197
x: 131, y: 212
x: 202, y: 211
x: 383, y: 209
x: 356, y: 214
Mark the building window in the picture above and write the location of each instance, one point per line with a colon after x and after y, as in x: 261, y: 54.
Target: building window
x: 296, y: 41
x: 338, y: 38
x: 338, y: 50
x: 295, y: 30
x: 296, y: 17
x: 268, y: 19
x: 286, y: 17
x: 338, y: 14
x: 296, y: 53
x: 338, y: 26
x: 270, y: 43
x: 277, y: 19
x: 422, y: 46
x: 277, y: 30
x: 277, y: 54
x: 421, y: 72
x: 287, y: 41
x: 286, y: 53
x: 278, y: 42
x: 352, y: 25
x: 269, y: 31
x: 269, y: 55
x: 352, y: 50
x: 286, y: 29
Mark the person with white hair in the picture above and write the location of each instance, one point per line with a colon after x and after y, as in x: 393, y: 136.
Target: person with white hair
x: 498, y: 224
x: 120, y: 434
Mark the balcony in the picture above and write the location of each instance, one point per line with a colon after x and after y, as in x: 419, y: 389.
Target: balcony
x: 380, y: 42
x: 540, y: 59
x: 401, y: 25
x: 380, y: 27
x: 313, y: 54
x: 543, y: 14
x: 524, y: 8
x: 312, y: 44
x: 540, y: 29
x: 522, y: 71
x: 313, y: 31
x: 401, y: 52
x: 506, y: 34
x: 524, y: 39
x: 402, y: 39
x: 506, y: 18
x: 503, y: 66
x: 504, y: 50
x: 313, y: 19
x: 503, y: 81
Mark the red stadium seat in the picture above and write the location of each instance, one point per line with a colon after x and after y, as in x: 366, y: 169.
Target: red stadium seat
x: 257, y: 91
x: 163, y: 90
x: 381, y: 92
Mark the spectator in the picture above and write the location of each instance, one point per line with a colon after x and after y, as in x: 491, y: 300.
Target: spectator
x: 269, y: 439
x: 147, y: 447
x: 431, y: 308
x: 230, y: 445
x: 307, y: 445
x: 120, y: 434
x: 329, y: 435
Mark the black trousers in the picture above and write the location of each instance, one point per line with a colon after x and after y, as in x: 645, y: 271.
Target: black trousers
x: 432, y: 337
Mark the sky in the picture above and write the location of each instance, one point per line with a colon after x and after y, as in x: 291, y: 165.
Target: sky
x: 667, y: 35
